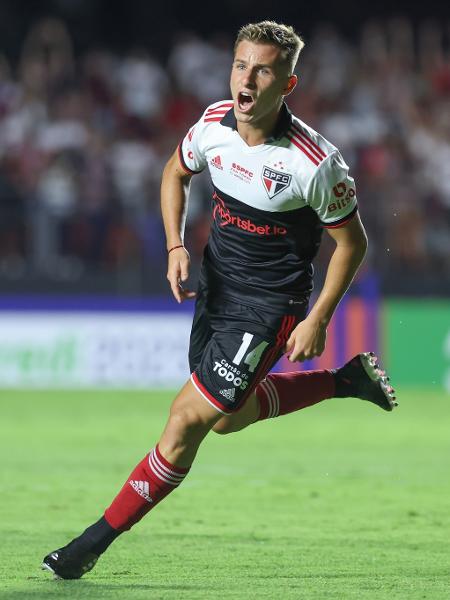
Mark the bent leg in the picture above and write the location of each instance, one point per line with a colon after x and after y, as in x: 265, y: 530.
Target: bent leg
x: 243, y: 417
x: 282, y: 393
x: 279, y: 394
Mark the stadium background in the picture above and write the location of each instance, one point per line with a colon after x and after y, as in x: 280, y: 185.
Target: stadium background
x: 346, y: 501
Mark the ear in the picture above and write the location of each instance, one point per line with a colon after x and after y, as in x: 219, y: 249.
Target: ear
x: 292, y: 82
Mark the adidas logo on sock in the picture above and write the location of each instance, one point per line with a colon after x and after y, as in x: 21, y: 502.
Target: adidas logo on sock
x: 229, y: 394
x: 142, y: 488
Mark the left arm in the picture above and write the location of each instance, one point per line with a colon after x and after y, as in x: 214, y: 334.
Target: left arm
x: 308, y: 338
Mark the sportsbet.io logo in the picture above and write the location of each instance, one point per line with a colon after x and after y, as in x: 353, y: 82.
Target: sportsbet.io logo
x: 274, y: 181
x: 223, y: 217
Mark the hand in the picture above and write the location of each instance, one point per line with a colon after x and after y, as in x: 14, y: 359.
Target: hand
x: 307, y: 340
x: 178, y: 271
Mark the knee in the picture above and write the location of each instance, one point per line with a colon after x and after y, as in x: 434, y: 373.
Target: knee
x: 224, y: 426
x: 185, y: 421
x: 184, y: 430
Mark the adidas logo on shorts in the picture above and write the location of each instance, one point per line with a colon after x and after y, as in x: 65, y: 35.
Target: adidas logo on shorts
x: 229, y: 394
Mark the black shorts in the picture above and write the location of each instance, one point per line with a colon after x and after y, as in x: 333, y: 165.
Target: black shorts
x: 233, y: 346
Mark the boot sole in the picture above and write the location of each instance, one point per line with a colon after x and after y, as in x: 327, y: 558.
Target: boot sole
x: 370, y: 366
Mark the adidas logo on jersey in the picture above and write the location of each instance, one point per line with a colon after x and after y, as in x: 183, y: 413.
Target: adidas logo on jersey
x: 217, y: 162
x: 229, y: 394
x: 142, y: 488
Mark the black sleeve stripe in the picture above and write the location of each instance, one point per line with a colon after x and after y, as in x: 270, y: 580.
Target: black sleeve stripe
x: 341, y: 222
x: 183, y: 163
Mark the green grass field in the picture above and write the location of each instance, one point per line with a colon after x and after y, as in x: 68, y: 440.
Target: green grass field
x: 338, y: 501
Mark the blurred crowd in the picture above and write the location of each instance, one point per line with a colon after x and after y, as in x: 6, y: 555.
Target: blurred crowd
x: 83, y: 140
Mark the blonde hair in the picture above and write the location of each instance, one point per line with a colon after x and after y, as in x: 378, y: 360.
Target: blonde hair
x: 270, y: 32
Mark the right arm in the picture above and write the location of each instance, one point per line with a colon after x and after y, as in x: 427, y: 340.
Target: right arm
x: 174, y: 200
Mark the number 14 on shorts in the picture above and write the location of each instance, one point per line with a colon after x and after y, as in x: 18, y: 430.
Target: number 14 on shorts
x: 252, y: 358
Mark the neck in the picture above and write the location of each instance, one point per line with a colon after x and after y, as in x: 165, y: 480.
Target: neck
x: 257, y: 133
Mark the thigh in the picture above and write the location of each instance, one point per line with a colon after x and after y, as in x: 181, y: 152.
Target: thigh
x: 244, y: 345
x: 189, y: 422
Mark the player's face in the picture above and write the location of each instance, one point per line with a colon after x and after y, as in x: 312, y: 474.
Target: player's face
x: 259, y: 80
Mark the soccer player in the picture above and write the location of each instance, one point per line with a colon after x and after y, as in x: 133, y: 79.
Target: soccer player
x: 276, y: 185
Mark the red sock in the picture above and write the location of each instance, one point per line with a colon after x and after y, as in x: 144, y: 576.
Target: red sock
x: 152, y: 479
x: 282, y: 393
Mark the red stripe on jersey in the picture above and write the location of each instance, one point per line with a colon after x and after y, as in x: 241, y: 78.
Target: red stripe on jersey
x: 207, y: 395
x: 221, y: 107
x: 297, y: 143
x: 183, y: 163
x: 215, y: 119
x: 308, y: 141
x: 307, y: 145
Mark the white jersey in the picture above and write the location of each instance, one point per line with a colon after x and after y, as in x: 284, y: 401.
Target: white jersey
x: 270, y: 201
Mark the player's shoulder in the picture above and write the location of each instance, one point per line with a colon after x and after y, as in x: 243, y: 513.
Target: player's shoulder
x: 214, y: 113
x: 312, y: 147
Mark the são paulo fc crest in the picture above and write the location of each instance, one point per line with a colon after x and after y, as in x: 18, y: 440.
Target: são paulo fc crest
x: 274, y: 181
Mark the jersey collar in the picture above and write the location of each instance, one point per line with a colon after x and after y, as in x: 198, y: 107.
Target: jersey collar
x: 281, y: 128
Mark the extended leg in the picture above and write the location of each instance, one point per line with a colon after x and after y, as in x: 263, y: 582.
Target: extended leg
x: 158, y: 474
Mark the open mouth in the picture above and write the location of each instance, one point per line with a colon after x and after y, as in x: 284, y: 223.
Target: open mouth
x: 245, y: 101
